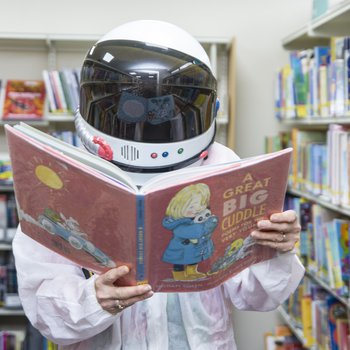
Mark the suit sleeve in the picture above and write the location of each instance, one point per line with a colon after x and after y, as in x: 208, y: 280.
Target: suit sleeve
x: 55, y: 295
x: 264, y: 286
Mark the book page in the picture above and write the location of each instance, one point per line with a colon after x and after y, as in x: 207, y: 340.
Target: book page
x: 71, y: 208
x: 101, y: 165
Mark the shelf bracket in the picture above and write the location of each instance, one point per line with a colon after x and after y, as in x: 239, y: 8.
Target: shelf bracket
x: 52, y: 54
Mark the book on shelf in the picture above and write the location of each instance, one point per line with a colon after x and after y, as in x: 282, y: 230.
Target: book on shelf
x: 299, y: 61
x: 304, y: 175
x: 33, y: 339
x: 306, y: 319
x: 342, y: 333
x: 342, y: 228
x: 284, y: 341
x: 332, y: 256
x: 321, y: 216
x: 325, y: 324
x: 5, y: 169
x: 24, y: 99
x: 277, y: 142
x: 319, y: 7
x: 337, y: 87
x: 337, y: 231
x: 338, y: 155
x: 90, y: 211
x: 336, y: 310
x: 324, y: 244
x: 62, y: 88
x: 347, y: 74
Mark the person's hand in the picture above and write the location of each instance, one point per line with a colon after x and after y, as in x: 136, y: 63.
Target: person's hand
x: 113, y: 298
x: 281, y: 232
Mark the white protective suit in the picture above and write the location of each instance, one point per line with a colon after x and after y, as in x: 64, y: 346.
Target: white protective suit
x: 61, y: 303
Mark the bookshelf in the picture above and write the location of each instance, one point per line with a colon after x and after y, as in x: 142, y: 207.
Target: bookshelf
x: 335, y: 22
x: 316, y: 122
x: 317, y: 32
x: 58, y: 51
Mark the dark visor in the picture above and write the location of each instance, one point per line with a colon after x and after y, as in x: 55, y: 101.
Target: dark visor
x: 167, y: 96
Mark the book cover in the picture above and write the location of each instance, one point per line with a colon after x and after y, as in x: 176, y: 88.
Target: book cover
x: 320, y: 216
x: 306, y: 319
x: 187, y: 230
x: 299, y: 61
x: 24, y: 99
x: 347, y: 74
x: 321, y: 62
x: 333, y: 256
x: 300, y: 140
x: 342, y: 326
x: 52, y: 100
x: 342, y: 245
x: 336, y: 310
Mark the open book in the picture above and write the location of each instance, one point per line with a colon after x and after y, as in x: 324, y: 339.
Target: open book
x: 186, y: 230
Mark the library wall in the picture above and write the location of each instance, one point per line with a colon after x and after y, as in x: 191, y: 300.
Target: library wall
x: 258, y: 27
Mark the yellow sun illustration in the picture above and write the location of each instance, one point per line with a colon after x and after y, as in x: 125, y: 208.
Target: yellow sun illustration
x: 235, y: 245
x: 48, y: 177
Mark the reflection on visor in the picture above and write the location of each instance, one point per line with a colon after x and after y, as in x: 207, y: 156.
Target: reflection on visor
x: 153, y: 110
x: 165, y: 97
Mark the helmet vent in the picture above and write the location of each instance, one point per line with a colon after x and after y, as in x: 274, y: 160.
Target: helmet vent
x: 130, y: 153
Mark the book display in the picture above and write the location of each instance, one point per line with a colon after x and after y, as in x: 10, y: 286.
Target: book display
x: 24, y: 100
x: 312, y: 101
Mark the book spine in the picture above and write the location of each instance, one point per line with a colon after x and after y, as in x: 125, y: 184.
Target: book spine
x: 50, y: 94
x: 55, y: 92
x: 58, y: 84
x: 347, y: 74
x: 140, y: 239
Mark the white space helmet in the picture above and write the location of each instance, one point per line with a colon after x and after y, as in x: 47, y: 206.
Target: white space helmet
x: 147, y: 98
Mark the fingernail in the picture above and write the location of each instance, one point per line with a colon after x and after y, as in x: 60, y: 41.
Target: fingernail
x: 274, y: 217
x: 125, y: 269
x: 263, y: 224
x: 147, y: 288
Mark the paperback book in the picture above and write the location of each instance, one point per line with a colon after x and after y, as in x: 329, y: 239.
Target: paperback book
x: 186, y: 230
x: 24, y: 99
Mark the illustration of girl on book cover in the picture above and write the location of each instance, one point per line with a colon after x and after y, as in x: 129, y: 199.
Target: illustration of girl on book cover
x: 189, y: 218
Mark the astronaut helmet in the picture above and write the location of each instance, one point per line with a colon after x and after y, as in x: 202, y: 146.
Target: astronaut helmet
x: 147, y: 98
